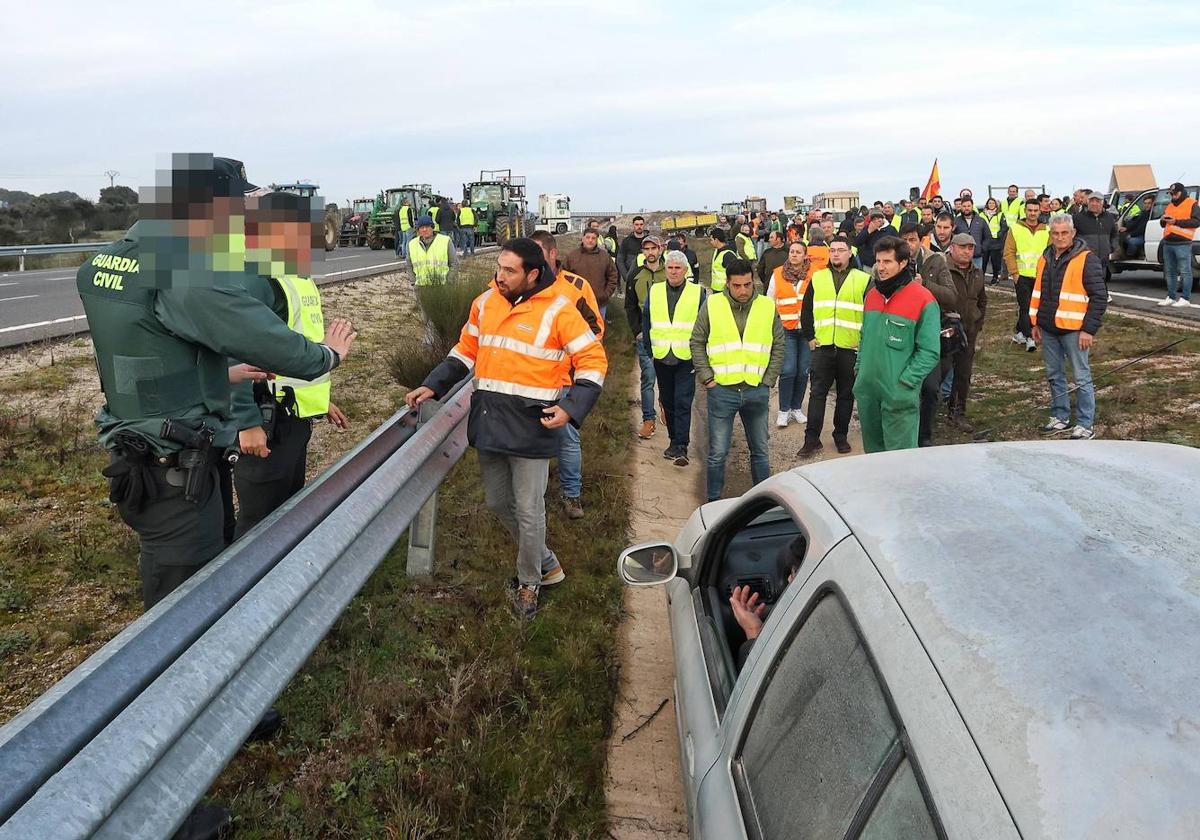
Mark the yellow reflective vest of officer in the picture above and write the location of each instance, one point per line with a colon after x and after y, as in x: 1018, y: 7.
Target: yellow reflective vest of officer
x: 430, y: 263
x: 671, y: 332
x: 304, y: 316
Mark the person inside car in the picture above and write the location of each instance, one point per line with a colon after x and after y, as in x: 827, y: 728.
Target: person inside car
x: 747, y: 609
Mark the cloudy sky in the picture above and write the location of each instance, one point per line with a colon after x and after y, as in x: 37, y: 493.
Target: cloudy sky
x: 640, y: 105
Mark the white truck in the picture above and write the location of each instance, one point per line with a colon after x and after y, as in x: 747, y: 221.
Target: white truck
x: 554, y: 212
x: 1148, y: 256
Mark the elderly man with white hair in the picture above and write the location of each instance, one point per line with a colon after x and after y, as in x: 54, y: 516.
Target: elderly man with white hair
x: 1067, y: 308
x: 667, y: 321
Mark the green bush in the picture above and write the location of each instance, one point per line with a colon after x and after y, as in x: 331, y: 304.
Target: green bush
x: 445, y: 308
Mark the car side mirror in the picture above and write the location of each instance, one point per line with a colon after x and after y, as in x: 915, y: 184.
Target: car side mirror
x: 648, y: 564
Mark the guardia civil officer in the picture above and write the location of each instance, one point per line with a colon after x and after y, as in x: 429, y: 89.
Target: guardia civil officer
x: 167, y: 306
x: 275, y: 416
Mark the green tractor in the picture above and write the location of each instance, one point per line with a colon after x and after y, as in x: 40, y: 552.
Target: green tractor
x: 333, y: 214
x: 381, y: 228
x: 498, y: 199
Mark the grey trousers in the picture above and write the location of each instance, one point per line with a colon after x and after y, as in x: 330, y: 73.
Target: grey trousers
x: 515, y: 490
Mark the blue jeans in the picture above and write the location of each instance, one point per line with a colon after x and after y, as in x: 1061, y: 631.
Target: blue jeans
x: 402, y: 243
x: 977, y: 261
x: 1177, y: 266
x: 603, y: 311
x: 1057, y: 350
x: 468, y: 241
x: 646, y: 369
x: 724, y: 403
x: 570, y: 461
x: 793, y: 379
x: 947, y: 384
x: 1133, y: 244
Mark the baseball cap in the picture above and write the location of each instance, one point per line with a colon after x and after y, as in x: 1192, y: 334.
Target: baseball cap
x: 231, y: 177
x: 962, y: 239
x: 425, y: 221
x: 653, y: 239
x: 1176, y: 187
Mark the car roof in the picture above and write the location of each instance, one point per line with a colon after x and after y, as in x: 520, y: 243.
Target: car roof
x: 1056, y: 587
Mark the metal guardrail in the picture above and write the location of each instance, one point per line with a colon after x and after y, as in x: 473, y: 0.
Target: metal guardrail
x: 23, y: 251
x: 128, y: 742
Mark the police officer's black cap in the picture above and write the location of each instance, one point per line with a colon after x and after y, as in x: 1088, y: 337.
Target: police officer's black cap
x: 231, y: 178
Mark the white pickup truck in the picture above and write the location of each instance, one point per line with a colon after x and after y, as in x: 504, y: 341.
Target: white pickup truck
x: 1149, y: 257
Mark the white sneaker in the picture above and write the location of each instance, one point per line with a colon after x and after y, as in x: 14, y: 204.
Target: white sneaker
x: 1030, y: 345
x: 782, y: 420
x: 798, y: 416
x: 1181, y: 303
x: 1082, y: 433
x: 1018, y: 338
x: 1166, y: 301
x: 1054, y: 426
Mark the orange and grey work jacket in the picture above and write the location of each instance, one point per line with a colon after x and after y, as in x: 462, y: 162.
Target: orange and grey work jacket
x: 522, y: 354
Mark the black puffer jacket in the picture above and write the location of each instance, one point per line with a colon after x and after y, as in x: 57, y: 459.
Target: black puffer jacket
x: 1098, y: 232
x: 1093, y: 285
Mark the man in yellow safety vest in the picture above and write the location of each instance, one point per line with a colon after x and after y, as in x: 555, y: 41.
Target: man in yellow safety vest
x: 667, y: 322
x: 1026, y: 241
x: 737, y: 349
x: 431, y: 255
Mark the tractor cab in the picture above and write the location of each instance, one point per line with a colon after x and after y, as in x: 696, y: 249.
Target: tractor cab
x: 498, y: 199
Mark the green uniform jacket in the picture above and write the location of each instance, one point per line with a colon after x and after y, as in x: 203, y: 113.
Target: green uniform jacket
x: 741, y: 311
x: 163, y: 337
x: 901, y: 344
x: 264, y: 289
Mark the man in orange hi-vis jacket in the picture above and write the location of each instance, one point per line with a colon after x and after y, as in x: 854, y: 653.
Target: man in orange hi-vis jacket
x: 522, y: 341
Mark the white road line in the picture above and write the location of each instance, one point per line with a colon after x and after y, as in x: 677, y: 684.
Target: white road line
x: 10, y: 284
x: 37, y: 324
x: 360, y: 268
x: 19, y: 297
x: 335, y: 259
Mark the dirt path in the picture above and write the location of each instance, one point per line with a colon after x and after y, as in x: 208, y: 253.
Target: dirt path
x: 643, y: 790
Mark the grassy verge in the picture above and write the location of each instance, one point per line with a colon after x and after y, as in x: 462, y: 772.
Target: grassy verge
x: 429, y: 712
x: 1156, y: 399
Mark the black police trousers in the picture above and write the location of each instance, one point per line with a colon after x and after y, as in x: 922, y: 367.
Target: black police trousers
x: 263, y: 484
x: 177, y: 537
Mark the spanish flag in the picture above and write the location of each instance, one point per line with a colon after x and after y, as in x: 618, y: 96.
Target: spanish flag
x: 934, y: 185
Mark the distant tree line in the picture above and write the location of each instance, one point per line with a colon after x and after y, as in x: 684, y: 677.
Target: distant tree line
x: 27, y: 219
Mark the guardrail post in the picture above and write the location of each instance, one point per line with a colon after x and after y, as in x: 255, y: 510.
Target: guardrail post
x: 21, y: 262
x: 423, y: 529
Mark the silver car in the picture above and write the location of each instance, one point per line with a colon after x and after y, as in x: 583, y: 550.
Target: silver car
x: 993, y: 641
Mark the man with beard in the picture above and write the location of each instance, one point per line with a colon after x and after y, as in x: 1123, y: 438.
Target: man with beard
x: 631, y: 248
x: 517, y: 392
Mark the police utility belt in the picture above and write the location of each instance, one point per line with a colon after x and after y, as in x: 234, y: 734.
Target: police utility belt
x: 131, y: 473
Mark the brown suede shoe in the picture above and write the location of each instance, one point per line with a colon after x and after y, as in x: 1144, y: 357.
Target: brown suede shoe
x: 647, y: 430
x: 810, y: 447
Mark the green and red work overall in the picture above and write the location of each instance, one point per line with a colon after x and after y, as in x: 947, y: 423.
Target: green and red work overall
x: 901, y: 344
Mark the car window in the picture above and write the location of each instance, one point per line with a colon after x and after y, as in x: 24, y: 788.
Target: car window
x: 820, y: 733
x: 901, y: 813
x: 1161, y: 198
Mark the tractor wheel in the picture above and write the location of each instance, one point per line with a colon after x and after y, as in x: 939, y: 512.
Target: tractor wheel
x: 501, y: 229
x: 331, y: 234
x: 374, y: 241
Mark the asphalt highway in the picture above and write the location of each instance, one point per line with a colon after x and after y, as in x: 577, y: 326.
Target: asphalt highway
x: 35, y: 305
